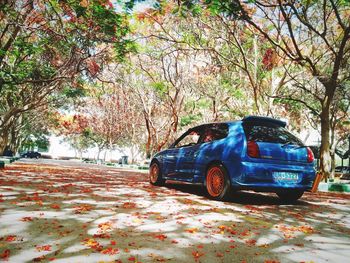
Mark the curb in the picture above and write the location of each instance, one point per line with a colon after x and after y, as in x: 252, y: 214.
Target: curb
x: 334, y: 187
x: 7, y: 160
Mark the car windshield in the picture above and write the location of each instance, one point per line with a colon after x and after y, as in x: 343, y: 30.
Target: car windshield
x: 268, y: 132
x: 190, y: 139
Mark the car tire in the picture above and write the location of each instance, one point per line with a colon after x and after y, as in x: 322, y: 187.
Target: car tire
x: 290, y: 196
x: 217, y: 182
x: 155, y: 175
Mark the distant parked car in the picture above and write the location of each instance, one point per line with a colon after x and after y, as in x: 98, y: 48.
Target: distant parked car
x: 31, y: 154
x: 344, y: 173
x: 345, y: 178
x: 342, y: 169
x: 256, y: 153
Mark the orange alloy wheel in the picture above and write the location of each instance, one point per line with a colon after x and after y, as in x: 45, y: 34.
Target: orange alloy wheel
x: 215, y: 181
x: 154, y: 173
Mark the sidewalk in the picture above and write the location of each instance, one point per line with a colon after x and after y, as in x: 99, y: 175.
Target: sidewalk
x: 65, y: 211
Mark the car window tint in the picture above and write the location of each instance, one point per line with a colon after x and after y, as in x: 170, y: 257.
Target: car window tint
x: 215, y: 132
x: 190, y: 139
x: 265, y: 132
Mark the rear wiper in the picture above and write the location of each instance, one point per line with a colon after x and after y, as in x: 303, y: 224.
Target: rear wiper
x: 288, y: 143
x: 302, y: 146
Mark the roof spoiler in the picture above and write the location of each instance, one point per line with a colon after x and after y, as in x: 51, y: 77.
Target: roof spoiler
x: 264, y: 119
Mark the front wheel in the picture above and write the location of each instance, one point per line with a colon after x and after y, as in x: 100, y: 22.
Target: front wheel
x: 155, y: 175
x: 217, y: 182
x: 290, y: 196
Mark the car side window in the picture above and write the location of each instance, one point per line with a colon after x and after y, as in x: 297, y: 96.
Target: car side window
x: 190, y: 139
x: 215, y: 132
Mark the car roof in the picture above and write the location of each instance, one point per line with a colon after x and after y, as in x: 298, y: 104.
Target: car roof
x: 250, y: 119
x: 264, y: 119
x: 212, y: 123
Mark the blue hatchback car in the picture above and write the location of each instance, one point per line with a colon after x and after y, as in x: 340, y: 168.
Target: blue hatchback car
x: 256, y: 153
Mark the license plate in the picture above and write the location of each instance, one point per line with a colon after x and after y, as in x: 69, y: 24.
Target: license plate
x: 285, y: 177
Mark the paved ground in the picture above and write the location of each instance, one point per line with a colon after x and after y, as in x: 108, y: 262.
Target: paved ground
x: 67, y: 212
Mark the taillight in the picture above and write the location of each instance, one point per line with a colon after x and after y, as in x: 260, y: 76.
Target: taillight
x: 253, y: 149
x: 310, y: 155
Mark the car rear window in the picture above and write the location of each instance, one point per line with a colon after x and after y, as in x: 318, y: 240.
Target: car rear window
x: 268, y: 132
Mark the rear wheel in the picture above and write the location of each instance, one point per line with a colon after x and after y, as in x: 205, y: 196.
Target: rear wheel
x: 290, y: 196
x: 155, y: 175
x: 217, y: 182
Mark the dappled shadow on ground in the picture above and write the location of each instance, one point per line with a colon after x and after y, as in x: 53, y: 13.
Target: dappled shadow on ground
x: 240, y: 197
x: 74, y: 213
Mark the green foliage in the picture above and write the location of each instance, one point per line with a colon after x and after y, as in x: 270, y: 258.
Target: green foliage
x: 36, y: 141
x: 160, y: 87
x: 34, y: 131
x: 230, y: 8
x: 188, y: 7
x: 204, y: 103
x: 189, y: 119
x: 70, y: 92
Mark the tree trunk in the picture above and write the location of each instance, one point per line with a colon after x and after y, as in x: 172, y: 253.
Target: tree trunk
x: 325, y: 157
x: 104, y: 156
x: 98, y: 153
x: 149, y: 140
x: 14, y: 138
x: 3, y: 140
x: 332, y: 153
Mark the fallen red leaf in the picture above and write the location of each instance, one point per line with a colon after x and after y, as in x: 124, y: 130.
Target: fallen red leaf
x: 5, y: 255
x: 43, y: 248
x: 110, y: 251
x: 191, y: 230
x: 197, y: 254
x: 299, y: 245
x: 10, y: 238
x: 92, y: 243
x: 160, y: 237
x: 105, y: 226
x: 251, y: 242
x: 86, y: 190
x: 153, y: 194
x: 27, y: 219
x: 103, y: 235
x: 55, y: 206
x: 82, y: 209
x: 129, y: 205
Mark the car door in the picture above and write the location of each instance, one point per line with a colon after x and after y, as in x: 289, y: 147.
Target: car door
x: 177, y: 160
x: 169, y: 162
x: 186, y: 164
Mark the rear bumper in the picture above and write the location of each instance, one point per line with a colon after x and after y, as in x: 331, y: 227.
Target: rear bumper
x: 259, y: 176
